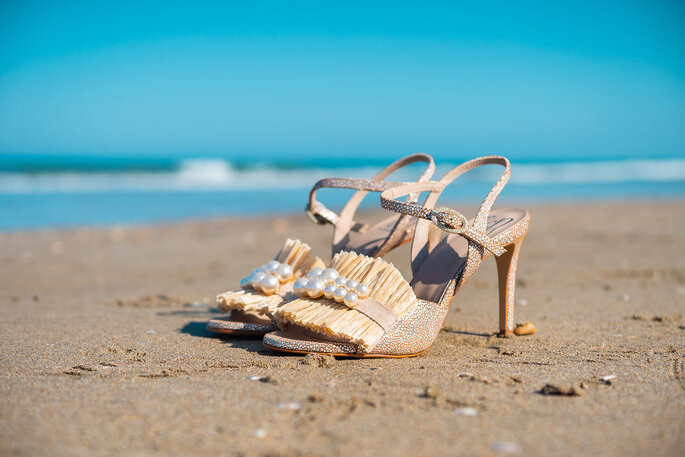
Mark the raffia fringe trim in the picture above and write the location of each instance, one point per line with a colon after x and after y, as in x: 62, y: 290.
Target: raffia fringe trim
x: 333, y: 319
x: 295, y: 253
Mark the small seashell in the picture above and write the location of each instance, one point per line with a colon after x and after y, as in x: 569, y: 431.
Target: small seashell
x: 260, y: 433
x: 506, y: 447
x: 624, y: 297
x: 466, y: 411
x: 255, y: 378
x: 525, y: 328
x: 608, y: 378
x: 289, y: 405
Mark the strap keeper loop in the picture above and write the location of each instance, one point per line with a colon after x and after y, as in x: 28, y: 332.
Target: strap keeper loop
x: 437, y: 216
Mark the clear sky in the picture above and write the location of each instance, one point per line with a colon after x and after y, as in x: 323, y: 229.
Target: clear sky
x: 526, y: 79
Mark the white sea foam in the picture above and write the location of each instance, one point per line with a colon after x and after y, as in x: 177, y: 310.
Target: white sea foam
x: 601, y: 172
x: 217, y: 174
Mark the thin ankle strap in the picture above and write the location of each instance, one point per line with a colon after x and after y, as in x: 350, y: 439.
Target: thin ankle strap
x: 447, y: 219
x: 344, y: 223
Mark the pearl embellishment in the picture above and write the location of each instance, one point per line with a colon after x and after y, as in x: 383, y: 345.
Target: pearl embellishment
x: 314, y: 288
x: 329, y: 284
x: 268, y: 277
x: 314, y: 272
x: 339, y: 294
x: 256, y: 279
x: 329, y: 291
x: 284, y: 271
x: 299, y: 287
x: 362, y: 290
x: 351, y: 300
x: 271, y: 265
x: 269, y: 284
x: 328, y: 275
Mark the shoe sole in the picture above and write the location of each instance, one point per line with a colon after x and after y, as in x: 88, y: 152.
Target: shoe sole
x: 341, y: 354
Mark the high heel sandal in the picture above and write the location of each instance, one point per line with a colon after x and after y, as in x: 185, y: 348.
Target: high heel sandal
x: 370, y: 310
x: 271, y: 285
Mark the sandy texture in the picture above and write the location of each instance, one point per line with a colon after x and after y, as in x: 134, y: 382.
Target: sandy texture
x: 94, y: 362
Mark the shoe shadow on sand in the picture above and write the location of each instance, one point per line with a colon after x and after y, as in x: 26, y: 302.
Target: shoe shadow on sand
x: 198, y: 329
x: 247, y: 342
x: 461, y: 332
x: 254, y: 343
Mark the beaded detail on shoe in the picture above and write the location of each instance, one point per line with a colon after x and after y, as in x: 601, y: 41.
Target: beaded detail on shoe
x: 362, y: 322
x: 268, y: 278
x: 269, y: 286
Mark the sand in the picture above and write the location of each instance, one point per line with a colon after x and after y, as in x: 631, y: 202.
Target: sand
x: 104, y: 350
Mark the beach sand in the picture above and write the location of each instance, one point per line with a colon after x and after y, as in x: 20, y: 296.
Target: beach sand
x: 105, y: 352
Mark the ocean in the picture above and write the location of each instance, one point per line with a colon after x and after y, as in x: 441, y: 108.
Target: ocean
x: 58, y: 191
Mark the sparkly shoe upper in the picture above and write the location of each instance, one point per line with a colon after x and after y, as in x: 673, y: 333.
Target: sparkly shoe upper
x: 335, y: 309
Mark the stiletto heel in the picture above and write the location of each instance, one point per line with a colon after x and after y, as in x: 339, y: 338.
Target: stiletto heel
x: 506, y: 270
x: 363, y: 307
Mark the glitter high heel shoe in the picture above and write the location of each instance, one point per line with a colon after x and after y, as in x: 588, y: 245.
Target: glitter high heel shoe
x: 363, y: 307
x: 269, y: 286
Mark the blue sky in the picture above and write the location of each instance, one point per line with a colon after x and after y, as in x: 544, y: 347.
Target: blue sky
x: 525, y: 79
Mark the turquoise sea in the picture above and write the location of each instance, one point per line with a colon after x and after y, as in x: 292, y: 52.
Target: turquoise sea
x: 54, y: 191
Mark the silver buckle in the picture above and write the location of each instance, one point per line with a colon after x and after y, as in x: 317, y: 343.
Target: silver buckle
x: 434, y: 218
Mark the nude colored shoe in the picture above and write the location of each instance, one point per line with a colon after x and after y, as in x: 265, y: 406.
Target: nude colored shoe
x: 370, y: 310
x: 271, y: 285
